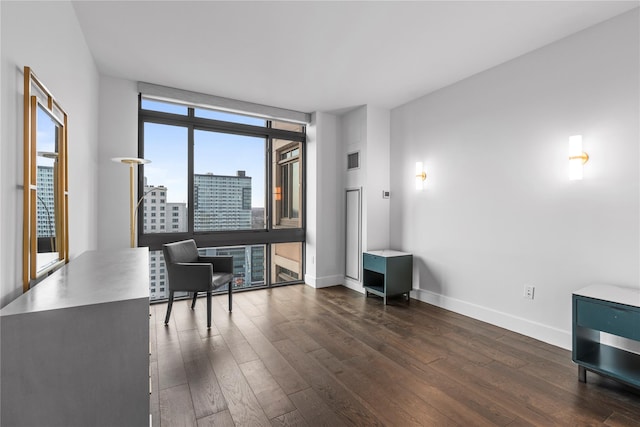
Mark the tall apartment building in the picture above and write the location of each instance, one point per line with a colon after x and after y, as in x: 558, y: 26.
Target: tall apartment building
x: 45, y: 223
x: 160, y: 216
x: 222, y: 202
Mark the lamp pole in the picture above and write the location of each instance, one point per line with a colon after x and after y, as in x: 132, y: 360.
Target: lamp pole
x: 132, y: 162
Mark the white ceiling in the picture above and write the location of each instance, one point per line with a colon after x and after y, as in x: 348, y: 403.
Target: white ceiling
x: 323, y: 56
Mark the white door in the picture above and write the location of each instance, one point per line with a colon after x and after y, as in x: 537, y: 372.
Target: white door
x: 353, y: 234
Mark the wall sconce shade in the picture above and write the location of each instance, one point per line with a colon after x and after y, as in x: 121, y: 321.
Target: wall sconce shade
x: 420, y: 176
x: 577, y: 157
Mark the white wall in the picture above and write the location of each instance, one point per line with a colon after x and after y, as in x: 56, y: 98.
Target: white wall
x: 378, y: 179
x: 353, y: 137
x: 46, y: 36
x: 324, y: 258
x: 118, y: 138
x: 366, y: 129
x: 499, y: 211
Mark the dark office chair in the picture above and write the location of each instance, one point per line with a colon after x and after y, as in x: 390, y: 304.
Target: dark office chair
x: 190, y: 272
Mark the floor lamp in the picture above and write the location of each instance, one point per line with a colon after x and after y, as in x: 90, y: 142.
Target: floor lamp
x: 132, y: 162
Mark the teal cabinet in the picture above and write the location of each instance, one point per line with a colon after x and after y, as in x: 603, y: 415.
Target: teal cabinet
x: 387, y: 273
x: 614, y: 310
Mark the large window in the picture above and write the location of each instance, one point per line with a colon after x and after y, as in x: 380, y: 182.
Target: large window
x: 232, y: 182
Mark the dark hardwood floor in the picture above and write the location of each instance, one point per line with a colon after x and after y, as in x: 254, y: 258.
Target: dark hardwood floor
x: 331, y: 357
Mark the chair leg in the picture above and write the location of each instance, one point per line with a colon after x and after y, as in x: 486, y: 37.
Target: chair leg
x: 169, y: 305
x: 208, y: 310
x: 193, y: 303
x: 230, y: 286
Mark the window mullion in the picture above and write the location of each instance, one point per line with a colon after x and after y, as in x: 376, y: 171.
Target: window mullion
x: 190, y: 179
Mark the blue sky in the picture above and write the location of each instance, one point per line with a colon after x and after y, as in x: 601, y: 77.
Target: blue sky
x: 46, y: 137
x: 218, y: 153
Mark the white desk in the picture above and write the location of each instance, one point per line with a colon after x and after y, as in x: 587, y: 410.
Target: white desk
x: 75, y: 348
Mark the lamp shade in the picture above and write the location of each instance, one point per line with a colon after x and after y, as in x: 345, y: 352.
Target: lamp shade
x: 575, y: 157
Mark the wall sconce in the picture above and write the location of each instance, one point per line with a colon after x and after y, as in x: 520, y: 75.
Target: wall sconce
x: 577, y: 157
x: 278, y: 194
x: 420, y: 176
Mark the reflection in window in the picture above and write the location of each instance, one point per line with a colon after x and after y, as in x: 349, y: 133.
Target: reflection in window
x: 287, y: 192
x: 248, y: 264
x: 286, y: 262
x: 157, y: 288
x: 47, y: 164
x: 294, y: 127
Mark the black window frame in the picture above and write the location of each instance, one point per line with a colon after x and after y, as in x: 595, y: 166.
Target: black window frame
x: 211, y: 239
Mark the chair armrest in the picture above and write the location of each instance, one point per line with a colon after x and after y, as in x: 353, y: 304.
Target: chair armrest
x: 221, y: 264
x: 190, y: 276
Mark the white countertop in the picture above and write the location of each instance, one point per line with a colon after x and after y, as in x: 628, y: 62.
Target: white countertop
x: 618, y: 294
x: 387, y: 253
x: 94, y: 277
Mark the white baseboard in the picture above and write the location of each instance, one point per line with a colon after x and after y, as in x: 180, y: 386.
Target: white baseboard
x: 353, y: 285
x: 323, y: 282
x: 517, y: 324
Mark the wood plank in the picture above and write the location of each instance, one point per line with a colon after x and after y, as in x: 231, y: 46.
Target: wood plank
x: 221, y: 419
x: 227, y: 325
x: 619, y: 420
x: 508, y: 398
x: 206, y: 394
x: 314, y: 410
x: 426, y: 392
x: 280, y: 369
x: 154, y: 397
x: 273, y: 400
x: 389, y: 407
x: 242, y: 403
x: 339, y: 399
x: 305, y: 342
x: 290, y: 419
x: 170, y: 364
x: 176, y: 408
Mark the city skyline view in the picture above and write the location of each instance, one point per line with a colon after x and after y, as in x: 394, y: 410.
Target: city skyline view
x: 214, y: 152
x: 228, y: 180
x: 219, y: 205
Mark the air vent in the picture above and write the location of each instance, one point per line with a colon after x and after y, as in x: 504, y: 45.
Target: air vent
x: 353, y: 160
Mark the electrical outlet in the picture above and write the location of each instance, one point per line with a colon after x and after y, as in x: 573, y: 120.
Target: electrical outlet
x: 529, y: 291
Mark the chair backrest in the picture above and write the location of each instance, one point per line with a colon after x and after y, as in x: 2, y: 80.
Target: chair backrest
x: 184, y: 251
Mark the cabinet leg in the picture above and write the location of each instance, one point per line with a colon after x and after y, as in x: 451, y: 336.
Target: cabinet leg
x: 582, y: 374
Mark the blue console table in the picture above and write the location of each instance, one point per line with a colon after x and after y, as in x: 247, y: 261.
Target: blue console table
x: 387, y: 273
x: 614, y: 310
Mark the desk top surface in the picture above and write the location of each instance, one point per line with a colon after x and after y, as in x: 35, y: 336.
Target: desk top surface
x: 94, y: 277
x: 617, y: 294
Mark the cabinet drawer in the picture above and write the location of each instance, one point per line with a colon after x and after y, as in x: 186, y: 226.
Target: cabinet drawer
x: 373, y: 263
x: 611, y: 318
